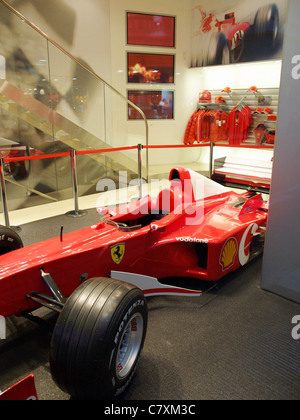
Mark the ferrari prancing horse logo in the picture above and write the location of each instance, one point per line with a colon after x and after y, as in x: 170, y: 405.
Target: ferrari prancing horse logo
x: 117, y: 252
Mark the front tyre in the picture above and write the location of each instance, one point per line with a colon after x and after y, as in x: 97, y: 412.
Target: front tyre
x: 211, y: 49
x: 98, y: 339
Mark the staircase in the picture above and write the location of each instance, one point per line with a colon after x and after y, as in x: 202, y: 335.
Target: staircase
x: 48, y: 121
x: 36, y: 121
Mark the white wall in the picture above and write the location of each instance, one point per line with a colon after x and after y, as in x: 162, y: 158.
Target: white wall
x: 160, y: 131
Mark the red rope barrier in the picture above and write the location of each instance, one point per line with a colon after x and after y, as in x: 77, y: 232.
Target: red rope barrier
x: 35, y: 157
x: 125, y: 148
x: 116, y: 149
x: 174, y: 146
x: 64, y: 154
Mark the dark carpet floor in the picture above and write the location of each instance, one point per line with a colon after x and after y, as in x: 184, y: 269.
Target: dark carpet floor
x: 232, y: 343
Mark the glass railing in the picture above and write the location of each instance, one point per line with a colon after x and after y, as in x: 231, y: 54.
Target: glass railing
x: 50, y: 103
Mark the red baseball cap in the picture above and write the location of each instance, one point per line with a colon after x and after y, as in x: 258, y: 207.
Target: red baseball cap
x: 253, y: 89
x: 205, y: 97
x: 267, y: 110
x: 272, y: 117
x: 219, y: 100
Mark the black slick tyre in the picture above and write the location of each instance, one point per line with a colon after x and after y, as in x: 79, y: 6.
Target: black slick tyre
x: 98, y: 339
x: 9, y: 240
x: 266, y: 23
x: 211, y: 49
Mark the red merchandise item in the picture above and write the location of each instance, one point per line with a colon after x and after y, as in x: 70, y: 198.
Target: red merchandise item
x: 205, y: 97
x: 220, y: 100
x: 206, y: 124
x: 238, y: 124
x: 272, y: 117
x: 267, y: 110
x: 270, y: 137
x: 227, y: 89
x: 218, y: 128
x: 253, y: 89
x: 189, y: 138
x: 199, y: 127
x: 259, y: 133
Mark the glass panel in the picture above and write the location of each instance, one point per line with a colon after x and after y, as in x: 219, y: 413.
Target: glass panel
x: 80, y: 101
x: 25, y: 99
x: 51, y: 104
x: 108, y: 176
x: 120, y: 131
x: 195, y: 158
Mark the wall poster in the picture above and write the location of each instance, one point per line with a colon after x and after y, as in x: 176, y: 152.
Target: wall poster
x: 156, y: 104
x: 152, y: 30
x: 236, y: 31
x: 150, y: 68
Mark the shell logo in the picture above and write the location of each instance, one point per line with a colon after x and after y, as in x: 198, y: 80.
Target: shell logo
x: 228, y: 253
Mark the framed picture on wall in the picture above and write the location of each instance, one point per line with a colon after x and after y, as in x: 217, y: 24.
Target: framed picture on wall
x: 150, y: 68
x: 152, y: 30
x: 156, y: 104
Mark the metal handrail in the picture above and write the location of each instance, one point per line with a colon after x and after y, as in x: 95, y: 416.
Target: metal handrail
x: 63, y: 50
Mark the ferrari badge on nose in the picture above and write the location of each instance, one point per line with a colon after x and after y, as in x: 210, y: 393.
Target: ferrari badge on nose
x: 117, y: 252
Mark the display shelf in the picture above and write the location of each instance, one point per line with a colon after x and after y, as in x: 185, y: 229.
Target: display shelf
x: 259, y: 102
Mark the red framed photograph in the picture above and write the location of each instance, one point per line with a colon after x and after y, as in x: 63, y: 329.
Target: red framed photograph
x: 150, y: 68
x: 156, y: 104
x: 152, y: 30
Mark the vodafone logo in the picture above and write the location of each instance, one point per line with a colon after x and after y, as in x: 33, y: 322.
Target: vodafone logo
x: 244, y: 248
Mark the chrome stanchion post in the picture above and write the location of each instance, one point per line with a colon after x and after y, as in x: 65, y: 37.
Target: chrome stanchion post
x: 211, y: 159
x: 140, y: 148
x: 76, y: 212
x: 3, y: 194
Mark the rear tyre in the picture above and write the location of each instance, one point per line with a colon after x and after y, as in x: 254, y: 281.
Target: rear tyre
x: 98, y: 339
x: 266, y: 23
x: 9, y: 240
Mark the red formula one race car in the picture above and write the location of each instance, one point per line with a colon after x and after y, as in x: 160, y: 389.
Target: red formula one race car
x: 97, y: 278
x: 24, y: 390
x: 218, y: 42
